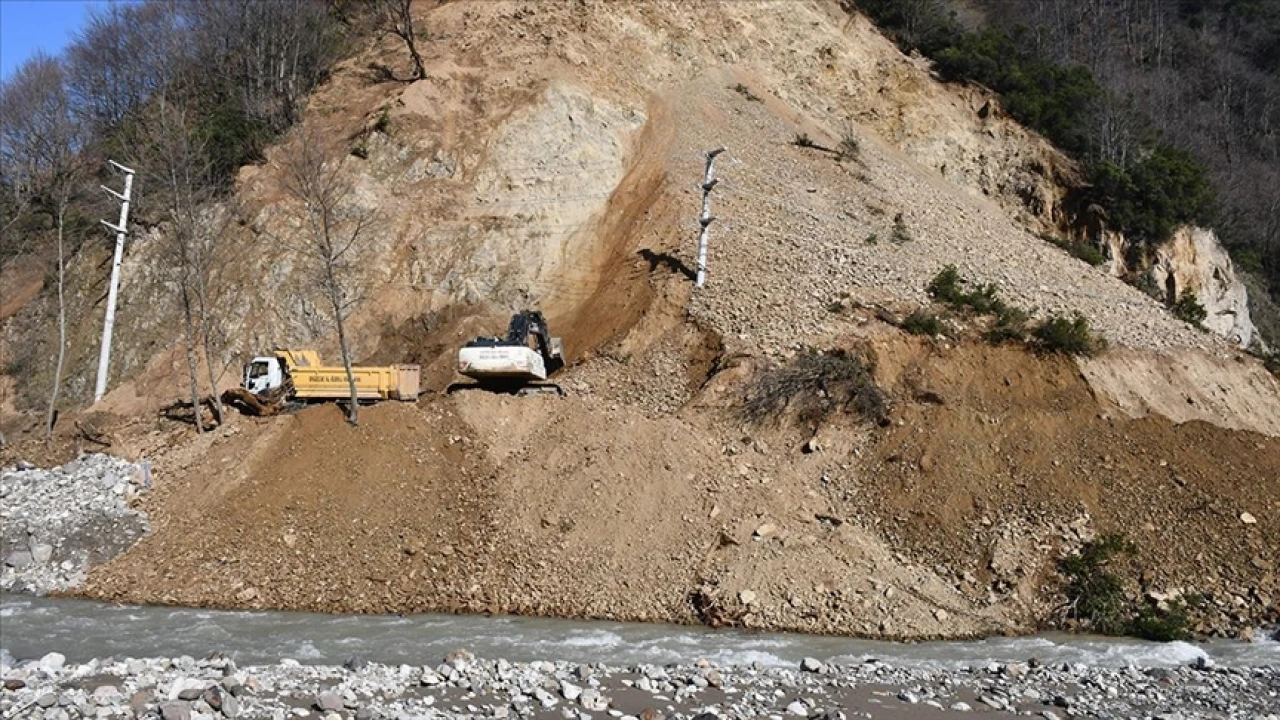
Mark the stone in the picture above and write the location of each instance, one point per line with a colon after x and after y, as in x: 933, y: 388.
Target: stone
x: 329, y: 701
x: 908, y: 698
x: 190, y: 693
x: 798, y: 708
x: 230, y: 706
x: 570, y: 691
x: 592, y: 701
x: 52, y: 662
x: 12, y: 684
x: 175, y: 710
x: 812, y: 665
x: 747, y: 597
x: 940, y: 615
x: 961, y: 707
x: 766, y: 530
x: 811, y: 446
x: 1248, y: 519
x: 650, y: 714
x: 1015, y: 670
x: 47, y: 700
x: 105, y: 694
x: 41, y: 553
x: 366, y: 713
x: 213, y: 697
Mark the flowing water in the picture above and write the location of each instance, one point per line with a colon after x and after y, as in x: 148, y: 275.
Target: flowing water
x: 32, y: 626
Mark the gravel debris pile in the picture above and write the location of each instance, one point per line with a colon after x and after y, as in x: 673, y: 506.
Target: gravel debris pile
x: 56, y: 523
x: 465, y: 687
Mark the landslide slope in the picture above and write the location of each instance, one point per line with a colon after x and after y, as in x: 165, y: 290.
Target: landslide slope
x: 552, y: 158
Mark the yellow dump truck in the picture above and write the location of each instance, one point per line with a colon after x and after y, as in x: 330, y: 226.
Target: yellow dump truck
x: 270, y: 383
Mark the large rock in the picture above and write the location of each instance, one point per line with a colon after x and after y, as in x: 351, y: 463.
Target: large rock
x: 1194, y: 261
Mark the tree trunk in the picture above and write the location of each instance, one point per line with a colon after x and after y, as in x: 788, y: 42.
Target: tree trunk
x: 192, y: 373
x: 62, y: 326
x: 419, y: 69
x: 336, y: 300
x: 203, y: 309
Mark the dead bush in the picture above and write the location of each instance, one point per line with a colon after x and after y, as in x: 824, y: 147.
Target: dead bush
x: 815, y: 385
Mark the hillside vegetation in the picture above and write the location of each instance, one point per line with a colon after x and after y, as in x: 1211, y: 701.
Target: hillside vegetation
x: 1171, y: 106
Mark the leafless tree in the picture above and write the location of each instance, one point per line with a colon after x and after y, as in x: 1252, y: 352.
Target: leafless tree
x: 396, y: 17
x: 41, y: 143
x: 176, y: 165
x: 333, y: 230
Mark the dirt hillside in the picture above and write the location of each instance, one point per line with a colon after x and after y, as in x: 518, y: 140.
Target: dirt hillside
x: 552, y: 158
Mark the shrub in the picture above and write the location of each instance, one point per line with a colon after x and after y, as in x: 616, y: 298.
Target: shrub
x: 850, y: 147
x: 946, y: 288
x: 922, y: 322
x: 1147, y: 200
x: 1010, y: 324
x: 816, y: 384
x: 1189, y: 309
x: 901, y: 234
x: 1152, y: 623
x: 1095, y: 594
x: 873, y: 239
x: 1068, y: 335
x: 383, y: 123
x: 745, y: 92
x: 1079, y: 250
x: 803, y: 140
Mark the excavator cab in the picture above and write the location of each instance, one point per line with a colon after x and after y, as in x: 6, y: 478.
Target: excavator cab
x: 527, y: 354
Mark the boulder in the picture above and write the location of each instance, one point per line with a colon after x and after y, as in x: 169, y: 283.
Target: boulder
x: 175, y: 710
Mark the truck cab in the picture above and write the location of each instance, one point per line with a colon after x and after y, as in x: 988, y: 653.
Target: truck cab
x: 263, y: 374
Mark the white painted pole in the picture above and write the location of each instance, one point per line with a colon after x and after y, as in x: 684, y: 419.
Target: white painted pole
x: 708, y: 184
x: 104, y: 355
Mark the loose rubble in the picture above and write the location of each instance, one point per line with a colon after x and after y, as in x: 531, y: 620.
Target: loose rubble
x: 56, y: 523
x: 184, y: 688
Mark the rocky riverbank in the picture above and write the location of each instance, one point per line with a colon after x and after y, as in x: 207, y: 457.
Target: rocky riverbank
x: 56, y: 523
x: 461, y: 685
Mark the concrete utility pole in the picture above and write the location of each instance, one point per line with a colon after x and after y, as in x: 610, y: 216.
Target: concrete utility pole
x: 104, y: 355
x: 708, y: 184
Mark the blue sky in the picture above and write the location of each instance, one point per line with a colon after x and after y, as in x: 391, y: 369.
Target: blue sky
x: 30, y: 25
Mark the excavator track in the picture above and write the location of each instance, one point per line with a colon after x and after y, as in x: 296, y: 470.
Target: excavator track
x: 517, y: 388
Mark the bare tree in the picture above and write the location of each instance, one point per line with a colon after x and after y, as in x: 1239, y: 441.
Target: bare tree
x: 177, y: 166
x: 333, y: 230
x: 41, y: 141
x: 396, y: 17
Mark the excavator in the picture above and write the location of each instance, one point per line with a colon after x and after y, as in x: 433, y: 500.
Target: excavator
x: 516, y: 363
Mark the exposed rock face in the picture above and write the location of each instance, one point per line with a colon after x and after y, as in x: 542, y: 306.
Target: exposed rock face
x: 1194, y: 261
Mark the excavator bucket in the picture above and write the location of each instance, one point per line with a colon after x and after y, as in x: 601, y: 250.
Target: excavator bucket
x: 256, y: 405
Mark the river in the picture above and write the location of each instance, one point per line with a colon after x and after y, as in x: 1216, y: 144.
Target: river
x: 32, y: 626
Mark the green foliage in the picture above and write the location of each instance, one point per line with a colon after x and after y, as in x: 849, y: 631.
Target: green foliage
x: 232, y: 139
x: 1150, y: 198
x: 1068, y: 335
x: 1152, y: 623
x: 946, y: 287
x: 1080, y: 250
x: 1189, y: 309
x: 873, y: 239
x: 1039, y: 93
x: 816, y: 384
x: 1010, y: 325
x: 1094, y: 593
x: 1051, y: 98
x: 922, y: 322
